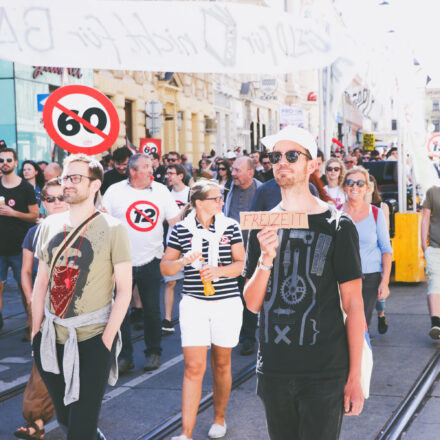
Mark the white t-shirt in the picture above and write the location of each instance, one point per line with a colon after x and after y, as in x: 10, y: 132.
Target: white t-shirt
x: 337, y: 194
x: 181, y: 197
x: 143, y: 211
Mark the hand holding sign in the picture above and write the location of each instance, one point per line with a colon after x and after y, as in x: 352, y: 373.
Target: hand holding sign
x: 268, y: 238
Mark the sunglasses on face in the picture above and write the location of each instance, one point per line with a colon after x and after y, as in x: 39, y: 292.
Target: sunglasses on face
x: 221, y: 169
x: 359, y: 183
x: 9, y: 160
x: 333, y: 168
x: 171, y: 160
x: 349, y: 161
x: 291, y: 156
x: 52, y: 199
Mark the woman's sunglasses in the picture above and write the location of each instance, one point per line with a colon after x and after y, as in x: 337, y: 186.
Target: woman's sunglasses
x: 351, y: 183
x: 291, y: 156
x: 221, y: 169
x: 333, y: 169
x: 52, y: 199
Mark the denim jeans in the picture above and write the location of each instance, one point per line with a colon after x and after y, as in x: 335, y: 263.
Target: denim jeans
x: 302, y: 408
x: 14, y: 262
x: 147, y: 278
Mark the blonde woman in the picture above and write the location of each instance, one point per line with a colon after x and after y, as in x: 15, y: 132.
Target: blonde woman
x: 207, y: 318
x: 335, y: 172
x: 374, y: 239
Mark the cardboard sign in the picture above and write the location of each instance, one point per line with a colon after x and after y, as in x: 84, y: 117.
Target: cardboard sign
x: 282, y: 220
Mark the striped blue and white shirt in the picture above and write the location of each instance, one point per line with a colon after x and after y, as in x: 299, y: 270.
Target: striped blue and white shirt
x: 180, y: 239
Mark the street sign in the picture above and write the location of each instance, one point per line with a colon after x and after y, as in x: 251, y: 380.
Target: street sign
x: 433, y: 145
x: 148, y: 145
x: 153, y: 108
x: 154, y: 124
x: 41, y: 100
x: 368, y: 141
x: 81, y: 120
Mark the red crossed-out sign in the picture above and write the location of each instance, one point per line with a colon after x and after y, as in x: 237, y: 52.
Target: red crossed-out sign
x: 150, y: 145
x: 142, y: 215
x: 81, y: 120
x: 434, y: 145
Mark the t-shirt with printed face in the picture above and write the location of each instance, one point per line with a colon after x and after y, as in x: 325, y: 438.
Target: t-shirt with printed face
x: 432, y: 202
x: 143, y: 211
x: 13, y: 230
x: 301, y: 331
x: 90, y: 262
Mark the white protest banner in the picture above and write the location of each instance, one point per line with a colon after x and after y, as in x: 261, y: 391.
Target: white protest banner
x: 286, y: 219
x: 163, y: 36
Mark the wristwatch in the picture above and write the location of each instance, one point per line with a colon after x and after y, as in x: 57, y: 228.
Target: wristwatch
x: 262, y: 266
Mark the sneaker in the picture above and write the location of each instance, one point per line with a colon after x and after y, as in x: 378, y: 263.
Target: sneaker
x: 382, y: 324
x: 1, y: 321
x: 124, y: 366
x: 435, y: 332
x: 181, y: 437
x: 153, y: 362
x: 167, y: 327
x: 217, y: 431
x: 247, y: 348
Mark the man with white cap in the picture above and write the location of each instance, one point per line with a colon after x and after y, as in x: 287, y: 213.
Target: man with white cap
x: 309, y: 362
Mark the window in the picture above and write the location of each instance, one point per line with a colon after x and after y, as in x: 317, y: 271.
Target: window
x: 436, y: 123
x: 435, y: 106
x: 393, y: 124
x: 129, y: 120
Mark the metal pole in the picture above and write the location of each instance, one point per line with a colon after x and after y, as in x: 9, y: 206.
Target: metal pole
x: 400, y: 156
x: 321, y: 108
x: 327, y: 138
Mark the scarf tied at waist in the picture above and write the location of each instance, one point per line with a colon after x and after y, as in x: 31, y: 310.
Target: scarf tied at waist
x: 48, y: 351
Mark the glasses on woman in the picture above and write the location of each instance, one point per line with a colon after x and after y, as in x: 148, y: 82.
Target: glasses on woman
x: 52, y: 199
x: 359, y: 183
x: 216, y: 199
x: 330, y: 169
x: 221, y: 168
x: 291, y: 156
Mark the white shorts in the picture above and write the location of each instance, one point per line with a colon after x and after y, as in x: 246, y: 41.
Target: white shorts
x: 432, y: 257
x: 206, y: 322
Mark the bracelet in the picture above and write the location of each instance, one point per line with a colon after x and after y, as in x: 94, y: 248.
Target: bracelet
x: 262, y: 266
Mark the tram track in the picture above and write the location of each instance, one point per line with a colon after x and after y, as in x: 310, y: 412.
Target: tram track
x: 19, y: 389
x: 172, y: 423
x: 413, y: 403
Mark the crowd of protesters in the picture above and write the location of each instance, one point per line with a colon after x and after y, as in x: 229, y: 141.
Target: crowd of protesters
x: 160, y: 219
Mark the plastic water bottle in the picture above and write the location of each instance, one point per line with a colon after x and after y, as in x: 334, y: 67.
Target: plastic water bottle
x: 208, y: 288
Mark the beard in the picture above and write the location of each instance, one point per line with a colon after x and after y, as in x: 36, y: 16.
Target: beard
x: 298, y: 177
x: 7, y: 172
x: 74, y: 198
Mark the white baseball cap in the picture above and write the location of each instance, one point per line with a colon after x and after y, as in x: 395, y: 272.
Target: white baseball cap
x: 230, y: 155
x: 294, y: 134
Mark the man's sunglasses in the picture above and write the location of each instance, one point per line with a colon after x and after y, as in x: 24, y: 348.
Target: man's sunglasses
x: 170, y: 159
x: 291, y: 156
x: 359, y: 183
x: 333, y: 168
x: 9, y: 160
x: 349, y: 161
x: 52, y: 199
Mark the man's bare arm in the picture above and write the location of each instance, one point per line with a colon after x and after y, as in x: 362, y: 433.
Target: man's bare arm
x: 38, y: 296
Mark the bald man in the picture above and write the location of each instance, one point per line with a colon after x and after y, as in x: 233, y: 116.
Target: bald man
x: 52, y: 171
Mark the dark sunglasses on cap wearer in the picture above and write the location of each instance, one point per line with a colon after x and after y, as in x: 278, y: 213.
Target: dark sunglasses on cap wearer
x: 9, y: 160
x: 333, y: 168
x: 359, y: 183
x: 291, y: 156
x: 52, y: 199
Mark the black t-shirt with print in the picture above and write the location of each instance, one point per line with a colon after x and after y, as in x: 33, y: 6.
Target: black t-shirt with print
x: 13, y: 230
x: 301, y: 331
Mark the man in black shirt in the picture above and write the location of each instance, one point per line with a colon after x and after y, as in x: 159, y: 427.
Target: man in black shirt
x: 18, y: 212
x: 309, y: 362
x: 119, y: 172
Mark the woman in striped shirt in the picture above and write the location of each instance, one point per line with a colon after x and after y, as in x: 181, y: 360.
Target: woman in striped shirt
x: 211, y: 308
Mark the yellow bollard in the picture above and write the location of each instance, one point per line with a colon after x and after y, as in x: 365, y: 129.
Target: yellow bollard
x: 408, y: 255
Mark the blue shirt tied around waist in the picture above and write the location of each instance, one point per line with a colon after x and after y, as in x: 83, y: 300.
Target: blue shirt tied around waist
x: 374, y: 240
